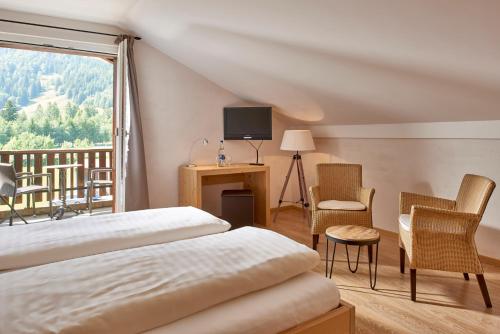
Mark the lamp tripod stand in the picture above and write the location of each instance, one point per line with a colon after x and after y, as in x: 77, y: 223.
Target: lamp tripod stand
x: 296, y: 160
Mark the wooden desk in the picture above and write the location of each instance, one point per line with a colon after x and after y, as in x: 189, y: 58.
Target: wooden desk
x: 256, y: 178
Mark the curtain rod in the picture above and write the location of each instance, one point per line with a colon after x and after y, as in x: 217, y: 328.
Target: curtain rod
x: 57, y: 47
x: 64, y: 28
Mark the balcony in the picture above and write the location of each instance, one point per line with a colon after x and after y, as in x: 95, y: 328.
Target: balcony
x: 36, y: 161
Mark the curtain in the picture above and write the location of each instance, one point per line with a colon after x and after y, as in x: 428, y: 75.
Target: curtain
x: 131, y: 190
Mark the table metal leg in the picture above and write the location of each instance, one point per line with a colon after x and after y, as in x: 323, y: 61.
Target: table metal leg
x: 62, y: 181
x: 326, y: 259
x: 62, y: 194
x: 349, y: 262
x: 333, y: 258
x: 372, y: 284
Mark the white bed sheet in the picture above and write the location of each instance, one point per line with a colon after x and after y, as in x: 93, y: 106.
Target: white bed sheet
x: 41, y: 243
x: 267, y: 311
x: 138, y: 289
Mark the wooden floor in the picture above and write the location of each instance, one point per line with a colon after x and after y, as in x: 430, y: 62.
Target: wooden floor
x: 446, y: 303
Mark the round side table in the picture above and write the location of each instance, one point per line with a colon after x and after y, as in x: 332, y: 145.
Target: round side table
x: 351, y: 235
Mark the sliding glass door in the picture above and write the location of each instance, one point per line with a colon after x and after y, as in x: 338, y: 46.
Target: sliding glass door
x: 60, y: 109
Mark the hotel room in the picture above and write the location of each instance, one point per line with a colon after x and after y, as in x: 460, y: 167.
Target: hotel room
x: 216, y: 166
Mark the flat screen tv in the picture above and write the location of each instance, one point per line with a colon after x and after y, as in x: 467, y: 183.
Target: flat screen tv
x: 248, y: 123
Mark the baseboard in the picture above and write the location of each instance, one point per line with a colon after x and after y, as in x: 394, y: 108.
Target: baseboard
x: 489, y: 260
x: 387, y: 232
x: 290, y: 207
x: 483, y: 258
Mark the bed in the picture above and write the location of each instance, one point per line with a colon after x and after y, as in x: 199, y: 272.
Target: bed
x: 41, y: 243
x: 182, y: 283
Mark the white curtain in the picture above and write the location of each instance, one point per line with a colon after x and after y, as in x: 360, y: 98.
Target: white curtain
x: 131, y: 187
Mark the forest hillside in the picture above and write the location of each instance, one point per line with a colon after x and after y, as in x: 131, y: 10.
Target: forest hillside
x: 50, y: 100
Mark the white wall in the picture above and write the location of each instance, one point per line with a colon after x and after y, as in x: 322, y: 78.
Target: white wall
x: 427, y: 166
x: 178, y: 106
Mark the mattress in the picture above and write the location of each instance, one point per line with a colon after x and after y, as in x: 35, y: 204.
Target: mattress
x: 267, y: 311
x: 138, y: 289
x: 35, y: 244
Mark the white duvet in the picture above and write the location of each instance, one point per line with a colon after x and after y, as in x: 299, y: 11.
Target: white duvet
x: 134, y: 290
x: 35, y: 244
x: 267, y: 311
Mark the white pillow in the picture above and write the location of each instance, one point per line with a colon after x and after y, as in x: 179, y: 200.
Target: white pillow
x: 404, y: 222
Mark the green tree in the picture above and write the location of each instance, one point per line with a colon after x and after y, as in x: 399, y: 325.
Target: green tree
x: 21, y: 124
x: 5, y: 131
x: 78, y: 143
x: 28, y: 141
x: 71, y: 110
x: 9, y: 111
x: 53, y: 111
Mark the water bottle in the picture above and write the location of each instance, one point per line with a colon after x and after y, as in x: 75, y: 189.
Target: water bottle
x: 221, y: 156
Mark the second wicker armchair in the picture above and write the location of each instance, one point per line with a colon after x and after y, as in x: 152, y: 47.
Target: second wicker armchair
x: 438, y: 233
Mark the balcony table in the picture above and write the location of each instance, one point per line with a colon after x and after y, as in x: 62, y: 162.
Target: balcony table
x: 62, y: 182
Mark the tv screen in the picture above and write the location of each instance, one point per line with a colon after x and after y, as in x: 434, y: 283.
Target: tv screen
x: 247, y: 123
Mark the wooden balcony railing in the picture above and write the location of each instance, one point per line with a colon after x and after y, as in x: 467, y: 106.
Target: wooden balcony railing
x: 36, y: 161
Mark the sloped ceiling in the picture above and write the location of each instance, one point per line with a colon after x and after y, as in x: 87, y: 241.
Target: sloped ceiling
x: 325, y: 62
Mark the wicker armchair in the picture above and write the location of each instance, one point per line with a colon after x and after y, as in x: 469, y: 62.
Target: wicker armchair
x: 339, y: 199
x: 439, y: 233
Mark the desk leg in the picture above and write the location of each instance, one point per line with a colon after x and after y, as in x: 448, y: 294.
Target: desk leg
x: 198, y: 193
x: 190, y: 189
x: 259, y: 184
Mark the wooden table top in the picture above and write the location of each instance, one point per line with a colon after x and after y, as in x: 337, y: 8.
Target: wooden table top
x: 353, y: 233
x: 228, y: 168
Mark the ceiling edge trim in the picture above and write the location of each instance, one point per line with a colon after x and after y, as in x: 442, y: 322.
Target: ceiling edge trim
x: 431, y: 130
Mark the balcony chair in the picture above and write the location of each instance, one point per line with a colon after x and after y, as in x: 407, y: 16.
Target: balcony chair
x: 340, y: 199
x: 438, y: 233
x: 95, y: 182
x: 9, y: 187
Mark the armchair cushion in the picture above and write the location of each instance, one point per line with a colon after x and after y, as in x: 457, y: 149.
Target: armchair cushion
x: 341, y: 205
x: 404, y: 222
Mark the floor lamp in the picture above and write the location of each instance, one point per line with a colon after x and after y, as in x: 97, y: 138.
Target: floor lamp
x: 297, y: 141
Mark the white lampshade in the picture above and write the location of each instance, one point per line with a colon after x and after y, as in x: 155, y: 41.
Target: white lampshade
x: 297, y: 140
